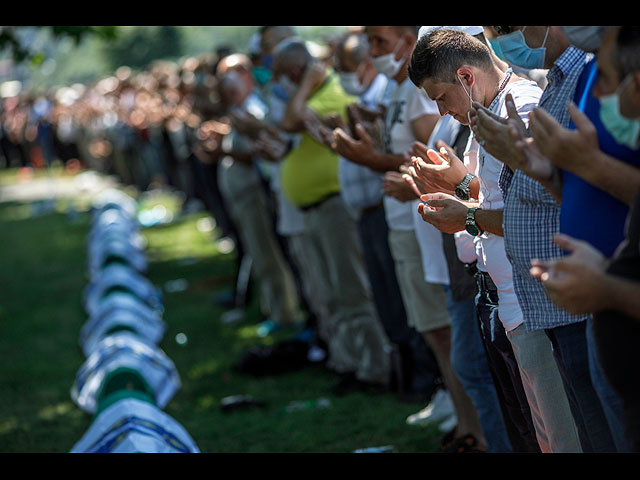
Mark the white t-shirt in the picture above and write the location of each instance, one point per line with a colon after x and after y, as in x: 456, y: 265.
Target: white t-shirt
x: 429, y: 238
x: 490, y: 249
x: 406, y: 104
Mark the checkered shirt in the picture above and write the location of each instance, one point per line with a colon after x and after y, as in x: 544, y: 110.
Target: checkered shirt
x: 531, y: 214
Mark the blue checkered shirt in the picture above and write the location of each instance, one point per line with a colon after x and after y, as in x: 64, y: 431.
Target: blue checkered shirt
x: 531, y: 214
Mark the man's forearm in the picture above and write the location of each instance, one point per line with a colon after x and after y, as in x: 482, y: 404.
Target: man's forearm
x: 295, y: 112
x: 380, y: 162
x: 490, y: 221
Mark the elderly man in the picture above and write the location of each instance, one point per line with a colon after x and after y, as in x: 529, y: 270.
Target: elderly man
x: 240, y: 185
x: 358, y: 346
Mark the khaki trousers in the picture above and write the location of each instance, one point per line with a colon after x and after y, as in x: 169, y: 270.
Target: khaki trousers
x: 247, y: 204
x: 356, y: 339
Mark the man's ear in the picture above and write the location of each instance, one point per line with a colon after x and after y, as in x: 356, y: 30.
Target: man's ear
x: 466, y: 75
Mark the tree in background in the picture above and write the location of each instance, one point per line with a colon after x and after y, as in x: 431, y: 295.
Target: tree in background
x: 12, y: 43
x: 137, y: 47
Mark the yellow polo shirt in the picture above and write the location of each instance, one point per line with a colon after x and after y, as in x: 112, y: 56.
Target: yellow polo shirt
x: 310, y: 171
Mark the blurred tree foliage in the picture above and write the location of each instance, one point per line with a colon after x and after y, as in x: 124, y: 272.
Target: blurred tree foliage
x: 136, y: 47
x: 10, y: 40
x: 45, y: 56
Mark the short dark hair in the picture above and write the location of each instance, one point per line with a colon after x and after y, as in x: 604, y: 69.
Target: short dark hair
x: 625, y: 53
x: 438, y: 56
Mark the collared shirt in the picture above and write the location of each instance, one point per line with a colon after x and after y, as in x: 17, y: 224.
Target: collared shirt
x: 360, y: 186
x: 491, y: 250
x: 531, y: 214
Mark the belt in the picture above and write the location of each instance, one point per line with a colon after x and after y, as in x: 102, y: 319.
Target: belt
x: 311, y: 206
x: 484, y: 282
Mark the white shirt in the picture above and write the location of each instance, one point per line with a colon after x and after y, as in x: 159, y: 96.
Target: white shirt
x: 490, y: 249
x: 407, y: 103
x: 434, y: 261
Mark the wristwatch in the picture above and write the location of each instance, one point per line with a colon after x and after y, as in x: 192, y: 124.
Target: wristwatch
x: 462, y: 190
x: 470, y: 225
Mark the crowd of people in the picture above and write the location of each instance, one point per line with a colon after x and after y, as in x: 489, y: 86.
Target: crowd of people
x: 450, y: 212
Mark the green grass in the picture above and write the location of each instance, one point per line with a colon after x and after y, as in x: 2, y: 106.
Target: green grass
x: 42, y: 274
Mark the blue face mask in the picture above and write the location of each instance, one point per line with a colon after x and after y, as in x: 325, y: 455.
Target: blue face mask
x: 625, y: 131
x: 262, y: 75
x: 516, y: 51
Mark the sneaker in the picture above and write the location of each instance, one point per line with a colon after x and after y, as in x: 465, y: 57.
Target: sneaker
x: 438, y: 411
x: 448, y: 424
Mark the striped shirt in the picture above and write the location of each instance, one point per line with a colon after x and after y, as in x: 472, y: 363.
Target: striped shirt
x: 360, y: 186
x: 531, y: 214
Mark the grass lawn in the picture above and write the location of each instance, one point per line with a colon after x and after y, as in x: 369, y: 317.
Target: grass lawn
x: 42, y: 275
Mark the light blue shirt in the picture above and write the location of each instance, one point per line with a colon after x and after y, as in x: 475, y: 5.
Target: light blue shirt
x: 360, y: 186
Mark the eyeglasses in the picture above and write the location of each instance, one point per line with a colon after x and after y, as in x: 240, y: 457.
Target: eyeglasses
x: 502, y: 30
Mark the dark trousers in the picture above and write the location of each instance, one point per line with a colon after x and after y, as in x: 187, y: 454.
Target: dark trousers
x: 424, y: 371
x: 572, y: 356
x: 504, y: 368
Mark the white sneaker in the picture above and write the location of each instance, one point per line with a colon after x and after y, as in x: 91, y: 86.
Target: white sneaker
x: 449, y: 424
x: 439, y: 410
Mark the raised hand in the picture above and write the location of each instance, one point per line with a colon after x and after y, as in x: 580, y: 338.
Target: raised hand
x: 573, y: 282
x: 443, y: 211
x: 358, y: 149
x: 492, y: 131
x: 395, y: 186
x: 567, y: 149
x: 442, y: 169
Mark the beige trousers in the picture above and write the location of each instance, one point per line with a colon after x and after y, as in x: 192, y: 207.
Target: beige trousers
x: 247, y: 204
x: 356, y: 339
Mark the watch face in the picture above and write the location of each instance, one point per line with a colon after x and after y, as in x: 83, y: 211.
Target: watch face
x: 461, y: 194
x: 472, y: 229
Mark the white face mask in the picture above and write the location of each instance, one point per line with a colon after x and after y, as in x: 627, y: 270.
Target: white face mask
x: 470, y: 95
x: 586, y: 38
x: 387, y: 64
x: 351, y: 83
